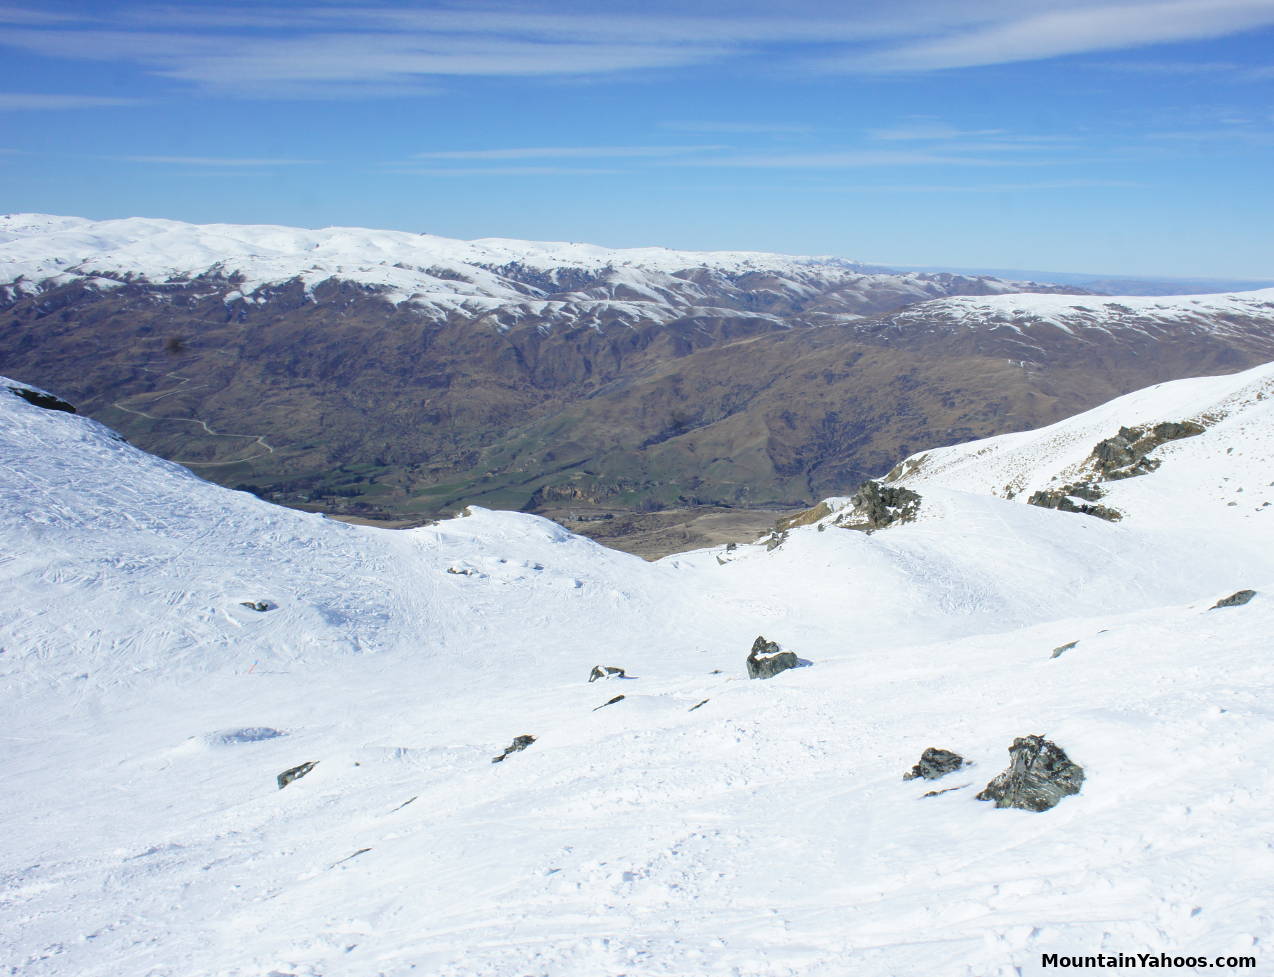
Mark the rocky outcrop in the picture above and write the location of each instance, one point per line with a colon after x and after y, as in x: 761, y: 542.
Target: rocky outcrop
x: 877, y: 505
x: 294, y: 773
x: 1039, y: 775
x: 935, y: 763
x: 605, y: 671
x: 257, y: 605
x: 40, y: 399
x: 1115, y: 458
x: 519, y: 743
x: 1124, y: 455
x: 1236, y: 599
x: 1078, y: 497
x: 767, y: 659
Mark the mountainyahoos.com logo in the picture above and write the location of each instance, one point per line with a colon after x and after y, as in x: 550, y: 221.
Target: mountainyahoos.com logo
x: 1148, y: 960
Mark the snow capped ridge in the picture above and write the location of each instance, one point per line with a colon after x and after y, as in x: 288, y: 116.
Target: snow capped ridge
x: 492, y: 277
x: 1069, y: 313
x: 701, y: 823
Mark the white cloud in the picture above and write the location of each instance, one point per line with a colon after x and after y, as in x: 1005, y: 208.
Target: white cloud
x: 1077, y: 30
x: 13, y: 101
x: 217, y: 161
x: 568, y: 152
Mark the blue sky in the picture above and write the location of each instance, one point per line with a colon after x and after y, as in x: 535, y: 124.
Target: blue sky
x: 1133, y: 137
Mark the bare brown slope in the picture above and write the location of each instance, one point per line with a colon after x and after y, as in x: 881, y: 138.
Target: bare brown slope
x: 347, y: 403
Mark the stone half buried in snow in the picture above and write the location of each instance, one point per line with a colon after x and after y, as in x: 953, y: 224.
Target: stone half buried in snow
x: 1039, y: 775
x: 519, y: 743
x: 935, y: 763
x: 294, y: 773
x: 1236, y: 599
x: 606, y: 671
x: 767, y: 659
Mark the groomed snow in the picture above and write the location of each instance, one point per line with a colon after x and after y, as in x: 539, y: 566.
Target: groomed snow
x: 765, y: 833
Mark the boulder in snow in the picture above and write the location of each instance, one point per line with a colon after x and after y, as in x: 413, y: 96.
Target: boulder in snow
x: 1062, y: 649
x: 257, y: 605
x: 609, y: 702
x: 767, y: 659
x: 605, y: 671
x: 1236, y: 599
x: 39, y: 398
x: 1039, y: 775
x: 519, y: 743
x: 877, y: 505
x: 935, y: 763
x: 295, y: 773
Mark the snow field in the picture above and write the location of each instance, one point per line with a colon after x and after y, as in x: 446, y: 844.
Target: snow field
x: 767, y: 832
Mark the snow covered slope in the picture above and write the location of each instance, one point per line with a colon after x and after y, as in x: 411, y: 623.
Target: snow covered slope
x: 1221, y: 314
x: 509, y: 280
x: 1221, y: 477
x: 704, y: 824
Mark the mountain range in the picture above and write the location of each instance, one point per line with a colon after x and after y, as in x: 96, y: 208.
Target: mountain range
x: 246, y: 740
x: 400, y: 375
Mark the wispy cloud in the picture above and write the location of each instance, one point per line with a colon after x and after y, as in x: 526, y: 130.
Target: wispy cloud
x: 505, y: 171
x: 928, y: 130
x: 326, y: 49
x: 17, y: 101
x: 25, y: 15
x: 217, y: 161
x: 569, y: 152
x: 739, y: 128
x: 845, y: 159
x: 1042, y: 185
x: 1079, y: 29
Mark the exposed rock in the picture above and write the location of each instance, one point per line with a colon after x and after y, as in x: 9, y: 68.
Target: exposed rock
x: 945, y: 790
x: 766, y: 659
x: 257, y: 605
x: 1039, y: 775
x: 1062, y: 649
x: 605, y: 671
x: 462, y: 571
x: 41, y: 399
x: 609, y: 702
x: 876, y: 505
x: 935, y: 763
x: 295, y: 773
x: 1063, y: 499
x: 1124, y: 455
x: 519, y: 743
x: 1236, y: 599
x: 698, y: 704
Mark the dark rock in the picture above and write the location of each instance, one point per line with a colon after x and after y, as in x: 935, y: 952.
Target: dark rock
x: 1063, y: 499
x: 698, y: 704
x: 462, y: 571
x: 609, y: 702
x: 257, y: 605
x: 295, y: 773
x: 519, y: 743
x: 876, y: 505
x: 1236, y: 599
x: 605, y: 671
x: 1062, y: 649
x: 40, y: 399
x: 945, y: 790
x: 935, y: 763
x: 1039, y: 775
x: 766, y: 659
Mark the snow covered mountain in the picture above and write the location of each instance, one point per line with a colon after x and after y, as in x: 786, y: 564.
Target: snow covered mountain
x: 496, y: 281
x: 681, y: 820
x: 403, y: 375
